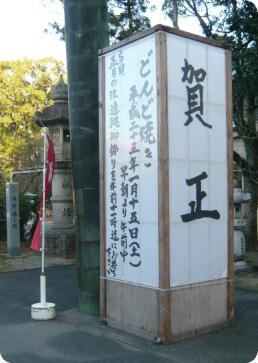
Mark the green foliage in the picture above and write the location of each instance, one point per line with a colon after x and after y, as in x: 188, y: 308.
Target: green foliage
x: 27, y: 207
x: 126, y: 17
x: 242, y: 25
x: 25, y: 86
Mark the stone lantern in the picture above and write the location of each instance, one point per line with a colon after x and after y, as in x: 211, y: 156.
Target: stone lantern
x: 60, y: 228
x: 240, y: 197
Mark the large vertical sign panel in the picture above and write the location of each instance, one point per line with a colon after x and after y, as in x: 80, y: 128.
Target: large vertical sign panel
x: 131, y: 181
x: 197, y: 161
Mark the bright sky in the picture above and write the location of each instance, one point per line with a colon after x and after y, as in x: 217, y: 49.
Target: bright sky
x: 22, y: 24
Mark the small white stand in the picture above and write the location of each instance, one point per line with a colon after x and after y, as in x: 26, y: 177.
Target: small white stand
x: 43, y: 310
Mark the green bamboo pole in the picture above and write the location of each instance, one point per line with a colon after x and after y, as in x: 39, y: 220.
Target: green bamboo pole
x: 85, y: 33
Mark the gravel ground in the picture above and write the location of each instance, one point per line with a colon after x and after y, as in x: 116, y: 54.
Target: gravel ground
x: 247, y: 279
x: 27, y: 260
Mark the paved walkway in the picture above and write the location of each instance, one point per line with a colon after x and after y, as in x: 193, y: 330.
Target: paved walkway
x: 77, y: 338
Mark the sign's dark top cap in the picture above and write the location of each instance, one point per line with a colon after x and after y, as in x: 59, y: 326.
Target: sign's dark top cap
x: 166, y: 29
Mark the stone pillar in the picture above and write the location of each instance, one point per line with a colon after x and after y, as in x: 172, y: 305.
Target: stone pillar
x: 13, y: 220
x: 60, y: 228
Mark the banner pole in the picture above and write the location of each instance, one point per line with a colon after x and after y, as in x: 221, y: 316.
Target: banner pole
x: 43, y: 204
x: 43, y: 298
x: 43, y: 310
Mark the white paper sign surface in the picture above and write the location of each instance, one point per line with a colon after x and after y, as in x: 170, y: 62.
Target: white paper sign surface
x: 131, y: 180
x: 197, y: 161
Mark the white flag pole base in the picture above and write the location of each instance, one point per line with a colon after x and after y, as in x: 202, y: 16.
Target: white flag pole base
x: 43, y: 310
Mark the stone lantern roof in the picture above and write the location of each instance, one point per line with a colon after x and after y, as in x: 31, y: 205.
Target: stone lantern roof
x: 57, y: 113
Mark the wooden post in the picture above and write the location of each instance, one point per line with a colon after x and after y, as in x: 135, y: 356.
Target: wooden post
x: 163, y: 185
x: 102, y: 187
x: 230, y: 287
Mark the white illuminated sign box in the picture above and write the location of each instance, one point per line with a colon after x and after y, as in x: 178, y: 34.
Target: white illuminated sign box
x: 165, y: 167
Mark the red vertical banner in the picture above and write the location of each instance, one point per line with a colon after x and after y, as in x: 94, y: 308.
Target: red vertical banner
x: 50, y: 169
x: 51, y: 160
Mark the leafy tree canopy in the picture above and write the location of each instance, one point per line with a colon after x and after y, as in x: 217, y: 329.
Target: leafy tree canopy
x: 126, y: 17
x: 25, y: 86
x: 240, y: 27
